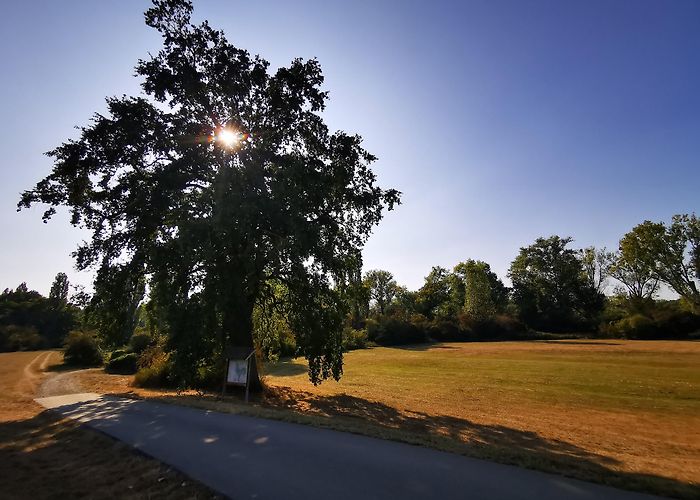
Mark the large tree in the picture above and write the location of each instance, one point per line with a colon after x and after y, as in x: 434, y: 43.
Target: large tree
x: 59, y: 289
x: 597, y: 264
x: 220, y: 179
x: 666, y: 253
x: 634, y: 264
x: 437, y: 297
x: 550, y: 286
x: 484, y: 293
x: 382, y: 288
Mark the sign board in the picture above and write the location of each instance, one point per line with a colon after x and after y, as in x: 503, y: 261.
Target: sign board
x: 240, y: 365
x: 237, y: 372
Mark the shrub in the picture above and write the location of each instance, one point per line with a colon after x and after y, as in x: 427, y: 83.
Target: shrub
x: 20, y: 338
x: 118, y: 354
x: 210, y: 376
x: 635, y: 326
x: 354, y: 338
x: 82, y: 349
x: 153, y: 368
x: 373, y: 328
x: 124, y: 364
x: 139, y: 342
x: 392, y: 331
x: 501, y: 326
x: 288, y: 343
x: 676, y: 324
x: 446, y: 330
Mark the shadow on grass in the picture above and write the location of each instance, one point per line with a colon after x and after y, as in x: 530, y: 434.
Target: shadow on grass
x: 45, y: 440
x: 492, y: 442
x: 427, y: 346
x: 287, y: 368
x: 577, y: 342
x: 48, y: 457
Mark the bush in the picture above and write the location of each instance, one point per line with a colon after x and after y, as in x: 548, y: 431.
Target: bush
x: 20, y: 338
x: 392, y: 331
x: 82, y: 349
x: 373, y: 329
x: 124, y: 364
x: 500, y: 327
x: 662, y: 323
x: 210, y: 376
x: 635, y: 326
x: 445, y: 330
x: 288, y: 343
x: 118, y: 354
x: 676, y: 324
x: 139, y: 342
x: 354, y: 338
x: 153, y: 368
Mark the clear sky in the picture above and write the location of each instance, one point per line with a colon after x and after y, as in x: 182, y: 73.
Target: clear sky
x: 500, y: 121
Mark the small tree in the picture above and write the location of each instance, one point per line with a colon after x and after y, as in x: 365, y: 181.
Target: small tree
x: 677, y: 257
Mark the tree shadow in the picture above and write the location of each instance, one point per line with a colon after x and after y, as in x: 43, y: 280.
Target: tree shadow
x: 427, y: 346
x: 576, y: 342
x: 62, y: 367
x: 46, y: 456
x: 458, y: 435
x: 287, y: 368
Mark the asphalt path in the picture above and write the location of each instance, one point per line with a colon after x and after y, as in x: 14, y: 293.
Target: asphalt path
x: 252, y: 458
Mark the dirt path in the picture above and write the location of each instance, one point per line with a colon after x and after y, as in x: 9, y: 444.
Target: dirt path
x: 33, y: 372
x: 58, y: 384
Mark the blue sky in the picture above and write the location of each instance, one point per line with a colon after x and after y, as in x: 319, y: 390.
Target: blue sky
x: 500, y: 121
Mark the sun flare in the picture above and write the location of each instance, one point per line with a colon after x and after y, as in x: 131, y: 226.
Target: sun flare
x: 228, y: 137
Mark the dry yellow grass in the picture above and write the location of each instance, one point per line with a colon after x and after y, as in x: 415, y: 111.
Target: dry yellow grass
x: 42, y: 456
x: 623, y: 412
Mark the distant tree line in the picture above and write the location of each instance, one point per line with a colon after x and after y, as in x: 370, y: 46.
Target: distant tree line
x: 30, y: 321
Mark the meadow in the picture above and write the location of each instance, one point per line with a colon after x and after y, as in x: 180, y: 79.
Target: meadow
x: 626, y: 413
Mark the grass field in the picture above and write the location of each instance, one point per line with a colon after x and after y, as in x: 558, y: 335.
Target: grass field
x: 620, y: 412
x: 42, y: 456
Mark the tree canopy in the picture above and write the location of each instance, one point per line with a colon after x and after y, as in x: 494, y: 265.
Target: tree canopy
x: 382, y: 288
x: 219, y: 179
x: 28, y: 320
x: 654, y: 252
x: 550, y: 286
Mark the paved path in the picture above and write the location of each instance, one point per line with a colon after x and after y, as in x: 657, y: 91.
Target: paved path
x: 252, y: 458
